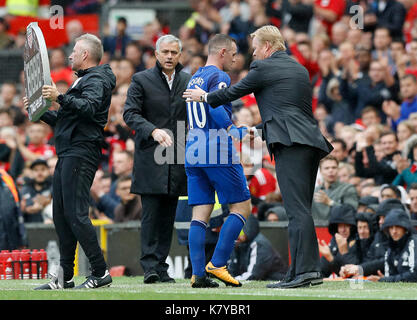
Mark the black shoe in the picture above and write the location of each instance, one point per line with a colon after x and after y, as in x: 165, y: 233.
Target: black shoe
x: 203, y: 282
x: 151, y: 277
x: 94, y: 282
x: 164, y: 277
x: 56, y: 283
x: 302, y: 280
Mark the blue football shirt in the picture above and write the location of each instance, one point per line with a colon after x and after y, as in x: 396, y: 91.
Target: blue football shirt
x: 208, y: 143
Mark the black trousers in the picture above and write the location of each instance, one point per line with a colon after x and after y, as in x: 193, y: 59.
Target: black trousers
x: 157, y: 225
x: 72, y: 181
x: 296, y: 167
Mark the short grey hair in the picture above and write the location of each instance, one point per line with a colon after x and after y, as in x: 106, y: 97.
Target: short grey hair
x: 92, y: 45
x: 168, y: 39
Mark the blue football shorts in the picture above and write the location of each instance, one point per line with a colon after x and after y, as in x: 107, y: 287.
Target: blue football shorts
x: 229, y: 183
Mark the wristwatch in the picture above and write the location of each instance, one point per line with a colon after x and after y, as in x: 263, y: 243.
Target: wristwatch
x: 203, y: 97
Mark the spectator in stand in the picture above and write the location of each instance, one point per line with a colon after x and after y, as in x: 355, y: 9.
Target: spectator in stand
x: 8, y: 94
x: 12, y: 230
x: 197, y: 61
x: 339, y: 35
x: 389, y: 14
x: 303, y: 54
x: 37, y: 146
x: 405, y: 130
x: 346, y: 172
x: 379, y: 246
x: 382, y: 43
x: 254, y: 257
x: 130, y: 207
x: 411, y: 8
x: 413, y: 120
x: 73, y: 29
x: 134, y: 53
x: 100, y: 186
x: 370, y: 116
x: 264, y: 188
x: 340, y: 151
x: 276, y: 214
x: 354, y: 36
x: 397, y: 48
x: 400, y: 257
x: 396, y: 113
x: 364, y: 58
x: 407, y: 170
x: 348, y: 134
x: 407, y: 63
x: 116, y: 45
x: 328, y: 12
x: 368, y: 166
x: 412, y: 195
x: 331, y: 192
x: 125, y: 72
x: 381, y: 86
x: 232, y: 9
x: 59, y: 68
x: 204, y: 22
x: 300, y: 12
x: 107, y: 201
x: 389, y: 191
x: 235, y: 16
x: 37, y: 194
x: 342, y: 248
x: 6, y: 41
x: 366, y: 226
x: 11, y: 158
x: 340, y: 110
x: 367, y: 202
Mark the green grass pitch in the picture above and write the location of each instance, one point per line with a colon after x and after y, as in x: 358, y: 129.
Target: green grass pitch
x: 133, y: 288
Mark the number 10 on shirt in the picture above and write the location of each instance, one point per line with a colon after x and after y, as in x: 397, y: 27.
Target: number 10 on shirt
x: 193, y: 114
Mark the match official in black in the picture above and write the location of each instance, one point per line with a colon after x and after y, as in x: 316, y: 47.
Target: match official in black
x: 79, y: 136
x: 283, y: 92
x: 156, y: 111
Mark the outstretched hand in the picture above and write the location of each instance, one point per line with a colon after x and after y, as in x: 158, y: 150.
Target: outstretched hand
x: 193, y: 94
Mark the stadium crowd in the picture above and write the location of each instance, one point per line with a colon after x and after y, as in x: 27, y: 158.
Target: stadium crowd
x: 362, y: 60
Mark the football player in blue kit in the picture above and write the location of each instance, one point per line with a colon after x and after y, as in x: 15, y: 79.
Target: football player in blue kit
x: 212, y: 165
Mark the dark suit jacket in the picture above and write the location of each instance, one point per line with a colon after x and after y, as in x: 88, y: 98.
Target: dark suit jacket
x: 150, y: 104
x: 283, y: 92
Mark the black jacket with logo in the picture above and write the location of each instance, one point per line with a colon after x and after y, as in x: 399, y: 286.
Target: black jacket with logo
x: 79, y: 123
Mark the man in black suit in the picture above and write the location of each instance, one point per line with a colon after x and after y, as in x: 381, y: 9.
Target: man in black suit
x: 156, y: 111
x: 283, y: 92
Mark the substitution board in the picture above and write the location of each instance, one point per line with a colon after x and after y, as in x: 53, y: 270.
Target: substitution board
x: 37, y: 72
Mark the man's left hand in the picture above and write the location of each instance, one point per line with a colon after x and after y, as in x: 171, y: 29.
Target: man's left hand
x: 50, y: 92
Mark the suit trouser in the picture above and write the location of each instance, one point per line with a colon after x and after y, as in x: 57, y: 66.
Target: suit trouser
x: 157, y: 225
x: 296, y: 167
x: 72, y: 181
